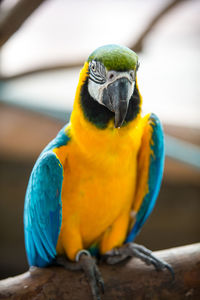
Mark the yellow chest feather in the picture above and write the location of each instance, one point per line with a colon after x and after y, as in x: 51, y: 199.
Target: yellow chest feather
x: 98, y: 186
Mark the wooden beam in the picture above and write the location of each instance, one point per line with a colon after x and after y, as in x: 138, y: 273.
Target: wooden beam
x: 129, y: 280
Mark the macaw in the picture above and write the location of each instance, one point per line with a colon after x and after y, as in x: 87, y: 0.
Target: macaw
x: 94, y: 186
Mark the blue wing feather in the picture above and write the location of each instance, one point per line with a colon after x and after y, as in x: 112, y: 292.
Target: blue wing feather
x: 154, y: 179
x: 43, y: 206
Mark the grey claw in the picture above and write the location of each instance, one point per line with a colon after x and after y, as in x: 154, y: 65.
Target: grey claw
x: 134, y: 250
x: 171, y: 270
x: 99, y: 279
x: 102, y: 287
x: 93, y: 275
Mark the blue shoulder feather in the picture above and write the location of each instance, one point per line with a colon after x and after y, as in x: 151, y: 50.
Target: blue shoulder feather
x: 154, y: 179
x: 43, y: 206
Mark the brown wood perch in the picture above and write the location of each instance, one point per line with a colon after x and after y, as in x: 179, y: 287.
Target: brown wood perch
x: 129, y: 280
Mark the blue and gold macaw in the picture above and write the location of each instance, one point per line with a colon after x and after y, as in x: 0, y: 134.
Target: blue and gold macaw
x: 94, y: 186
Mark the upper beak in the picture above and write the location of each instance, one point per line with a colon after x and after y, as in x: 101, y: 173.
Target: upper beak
x: 116, y: 98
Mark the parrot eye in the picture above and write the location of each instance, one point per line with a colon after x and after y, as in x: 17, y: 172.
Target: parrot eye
x: 97, y: 72
x: 93, y: 66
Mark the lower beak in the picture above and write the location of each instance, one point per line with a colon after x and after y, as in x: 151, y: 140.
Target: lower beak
x: 116, y: 98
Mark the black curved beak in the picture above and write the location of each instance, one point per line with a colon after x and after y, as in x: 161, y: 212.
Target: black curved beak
x: 115, y: 98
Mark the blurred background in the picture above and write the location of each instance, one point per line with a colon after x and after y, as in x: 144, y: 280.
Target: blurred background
x: 42, y: 47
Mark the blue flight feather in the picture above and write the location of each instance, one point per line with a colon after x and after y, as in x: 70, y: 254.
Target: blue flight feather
x: 154, y: 179
x: 43, y: 206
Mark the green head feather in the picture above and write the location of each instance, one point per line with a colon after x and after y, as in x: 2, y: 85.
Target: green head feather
x: 115, y: 57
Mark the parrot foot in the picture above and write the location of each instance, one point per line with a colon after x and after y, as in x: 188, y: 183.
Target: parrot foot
x: 117, y: 255
x: 85, y: 262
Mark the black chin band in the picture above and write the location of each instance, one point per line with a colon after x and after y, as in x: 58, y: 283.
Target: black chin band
x: 94, y: 112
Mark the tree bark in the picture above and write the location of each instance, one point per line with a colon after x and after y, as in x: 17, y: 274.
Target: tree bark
x: 129, y: 280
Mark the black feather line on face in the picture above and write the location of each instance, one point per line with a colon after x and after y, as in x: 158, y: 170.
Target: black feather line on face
x: 99, y: 115
x: 97, y: 81
x: 99, y: 74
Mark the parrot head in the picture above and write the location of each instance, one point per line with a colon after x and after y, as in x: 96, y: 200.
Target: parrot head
x: 112, y: 74
x: 110, y: 89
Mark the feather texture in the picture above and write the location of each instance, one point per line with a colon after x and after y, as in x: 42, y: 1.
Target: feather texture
x: 43, y: 206
x: 154, y: 171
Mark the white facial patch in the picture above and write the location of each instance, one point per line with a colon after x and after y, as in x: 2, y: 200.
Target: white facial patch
x: 96, y: 90
x: 131, y: 90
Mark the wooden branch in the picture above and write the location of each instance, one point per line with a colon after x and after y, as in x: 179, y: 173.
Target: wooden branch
x: 16, y: 16
x: 45, y: 68
x: 138, y: 45
x: 130, y: 280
